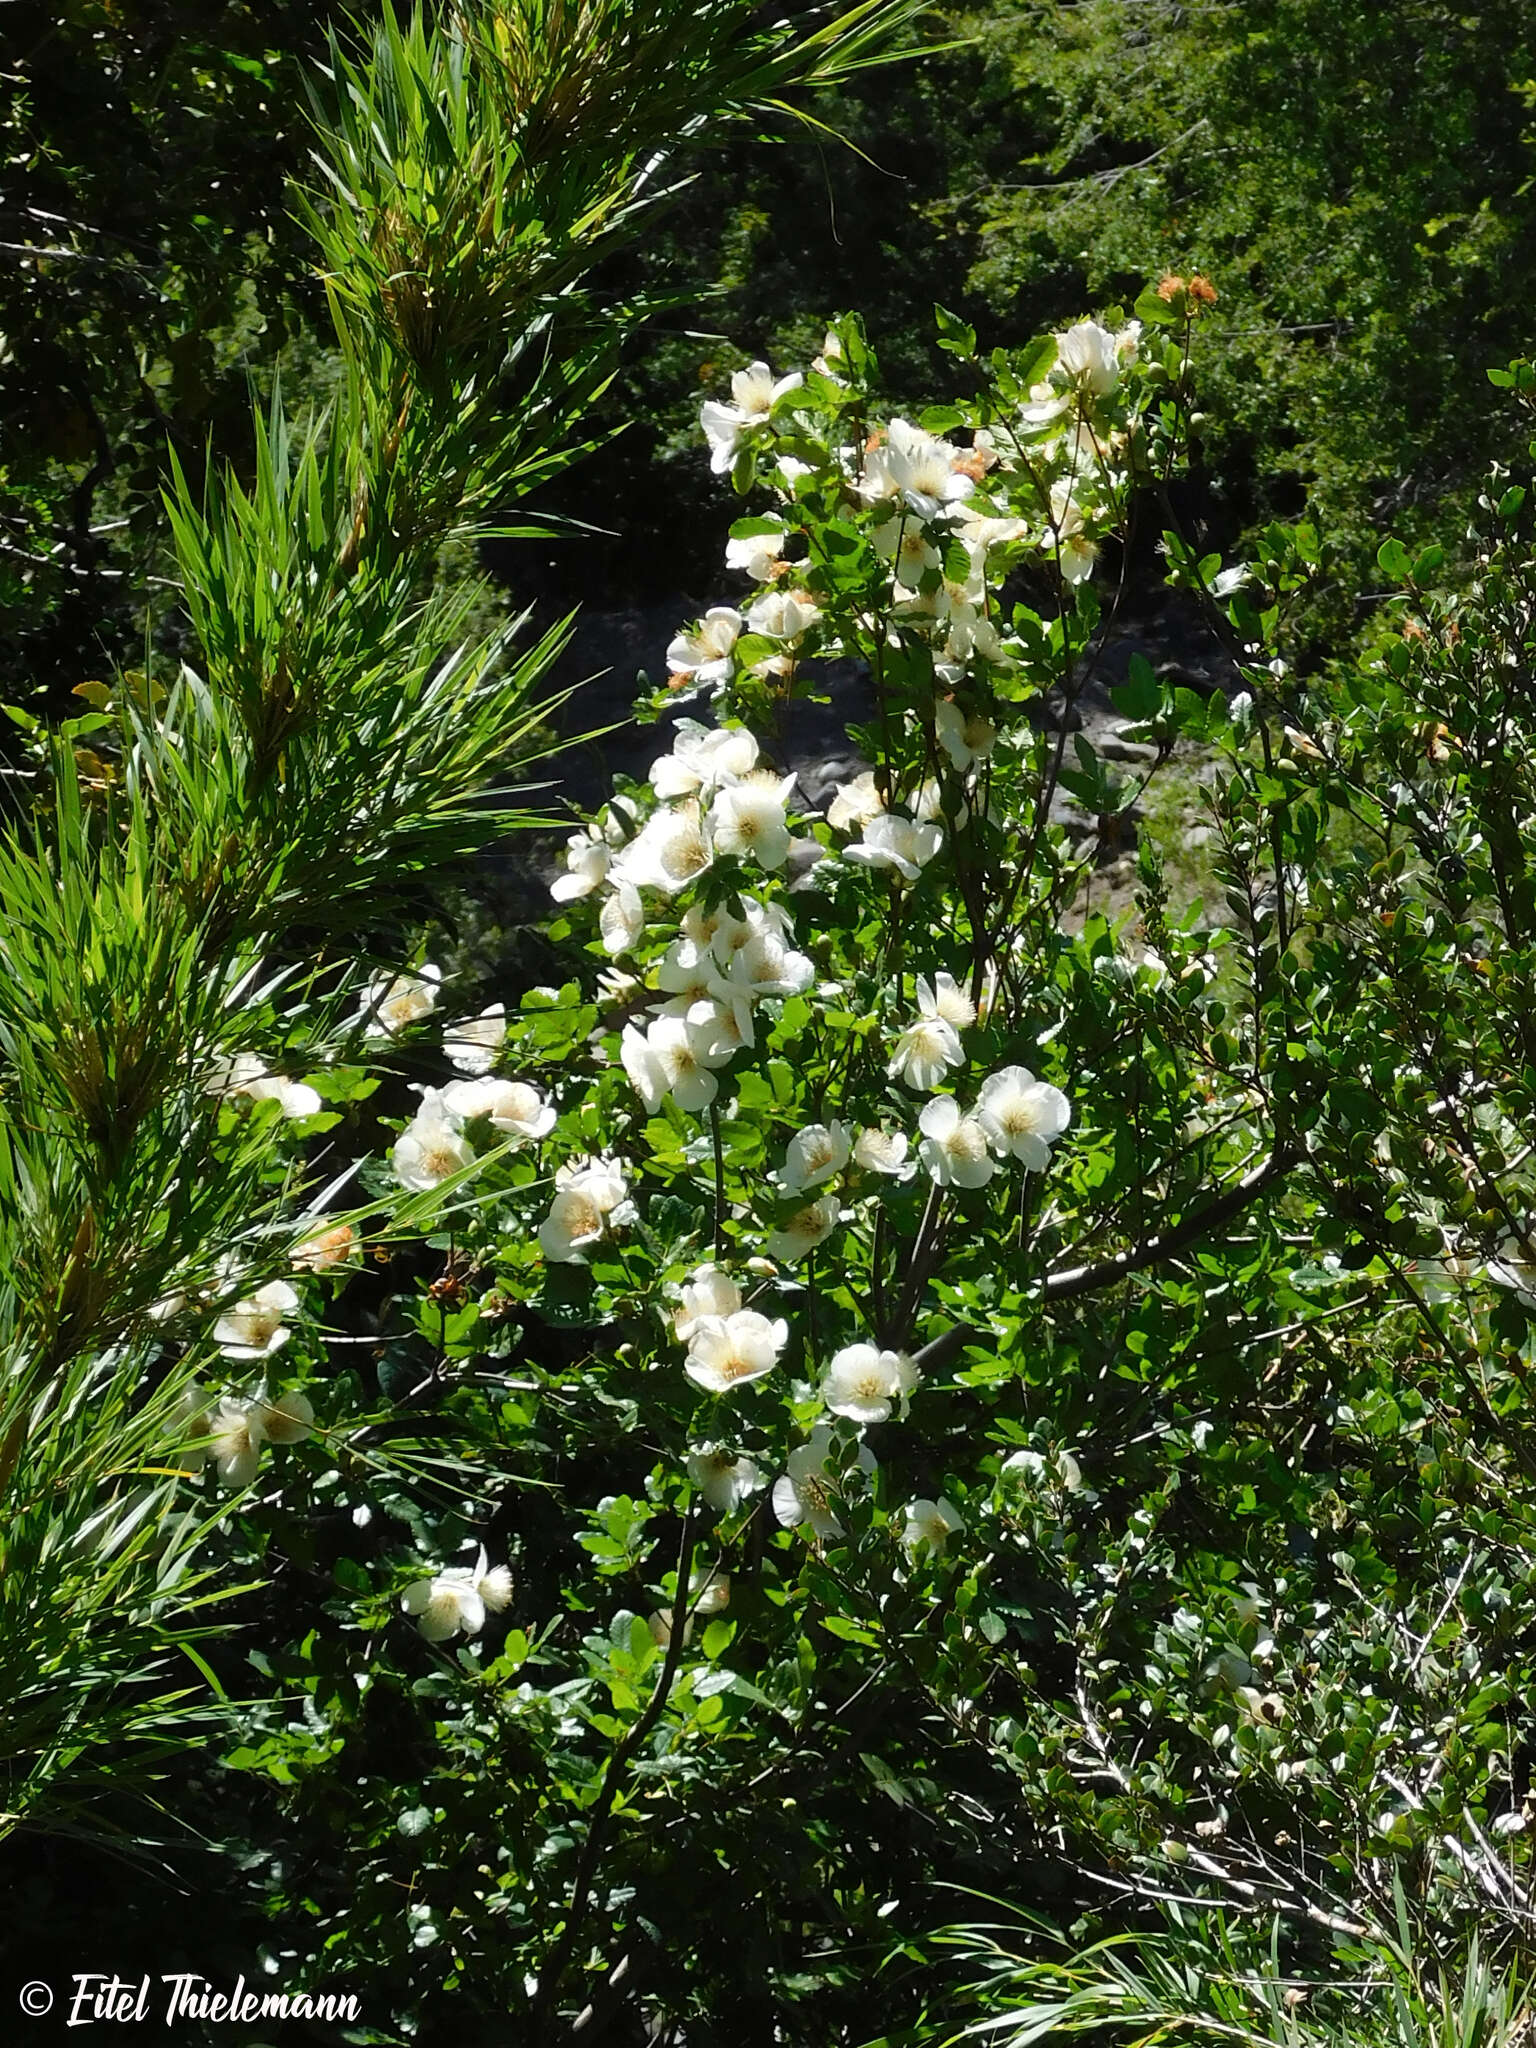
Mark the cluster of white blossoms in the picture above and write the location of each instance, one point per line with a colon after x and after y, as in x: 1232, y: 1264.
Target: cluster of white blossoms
x: 942, y: 516
x: 723, y: 964
x: 811, y: 1486
x: 928, y: 530
x: 1016, y: 1117
x: 435, y: 1144
x: 257, y: 1325
x: 232, y: 1433
x: 730, y: 1346
x: 457, y: 1599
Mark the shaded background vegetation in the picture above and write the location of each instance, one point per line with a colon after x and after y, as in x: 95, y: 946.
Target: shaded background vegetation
x: 1357, y: 181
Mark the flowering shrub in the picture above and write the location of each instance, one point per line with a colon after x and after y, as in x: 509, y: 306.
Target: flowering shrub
x: 766, y: 1196
x: 969, y: 1376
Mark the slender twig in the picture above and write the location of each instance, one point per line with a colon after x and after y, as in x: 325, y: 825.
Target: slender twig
x: 615, y: 1774
x: 1167, y: 1244
x: 714, y: 1132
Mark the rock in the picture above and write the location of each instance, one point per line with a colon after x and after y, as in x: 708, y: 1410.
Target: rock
x: 1112, y: 837
x: 1110, y: 747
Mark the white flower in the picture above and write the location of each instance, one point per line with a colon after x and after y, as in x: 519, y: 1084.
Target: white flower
x: 472, y: 1046
x: 787, y: 472
x: 965, y: 740
x: 621, y: 921
x: 432, y: 1148
x: 730, y: 1351
x: 959, y: 607
x: 1022, y: 1116
x: 813, y: 1155
x: 602, y: 1179
x: 287, y: 1420
x: 574, y: 1221
x: 903, y: 542
x: 725, y: 934
x: 1088, y: 354
x: 980, y: 532
x: 456, y: 1599
x: 884, y: 1152
x: 783, y: 614
x: 705, y: 654
x: 953, y: 1147
x: 236, y: 1438
x: 916, y: 467
x: 864, y: 1383
x: 591, y: 1195
x: 587, y: 857
x: 943, y: 997
x: 754, y: 392
x: 710, y: 1592
x: 254, y: 1327
x: 293, y: 1098
x: 808, y: 1227
x: 856, y: 803
x: 825, y: 365
x: 514, y: 1107
x: 898, y: 843
x: 702, y: 758
x: 689, y: 973
x: 617, y: 986
x: 750, y: 817
x: 929, y: 1525
x: 392, y: 1003
x: 722, y: 1022
x: 758, y: 555
x: 660, y: 1625
x: 246, y: 1075
x: 643, y: 1064
x: 708, y: 1291
x: 924, y: 1052
x: 1077, y: 554
x: 724, y: 1480
x: 757, y: 391
x: 495, y: 1587
x: 668, y: 853
x: 1026, y: 1466
x: 722, y: 426
x: 688, y: 1050
x: 808, y: 1488
x: 762, y: 965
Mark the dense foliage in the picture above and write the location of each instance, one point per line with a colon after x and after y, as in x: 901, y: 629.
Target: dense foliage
x: 610, y: 1507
